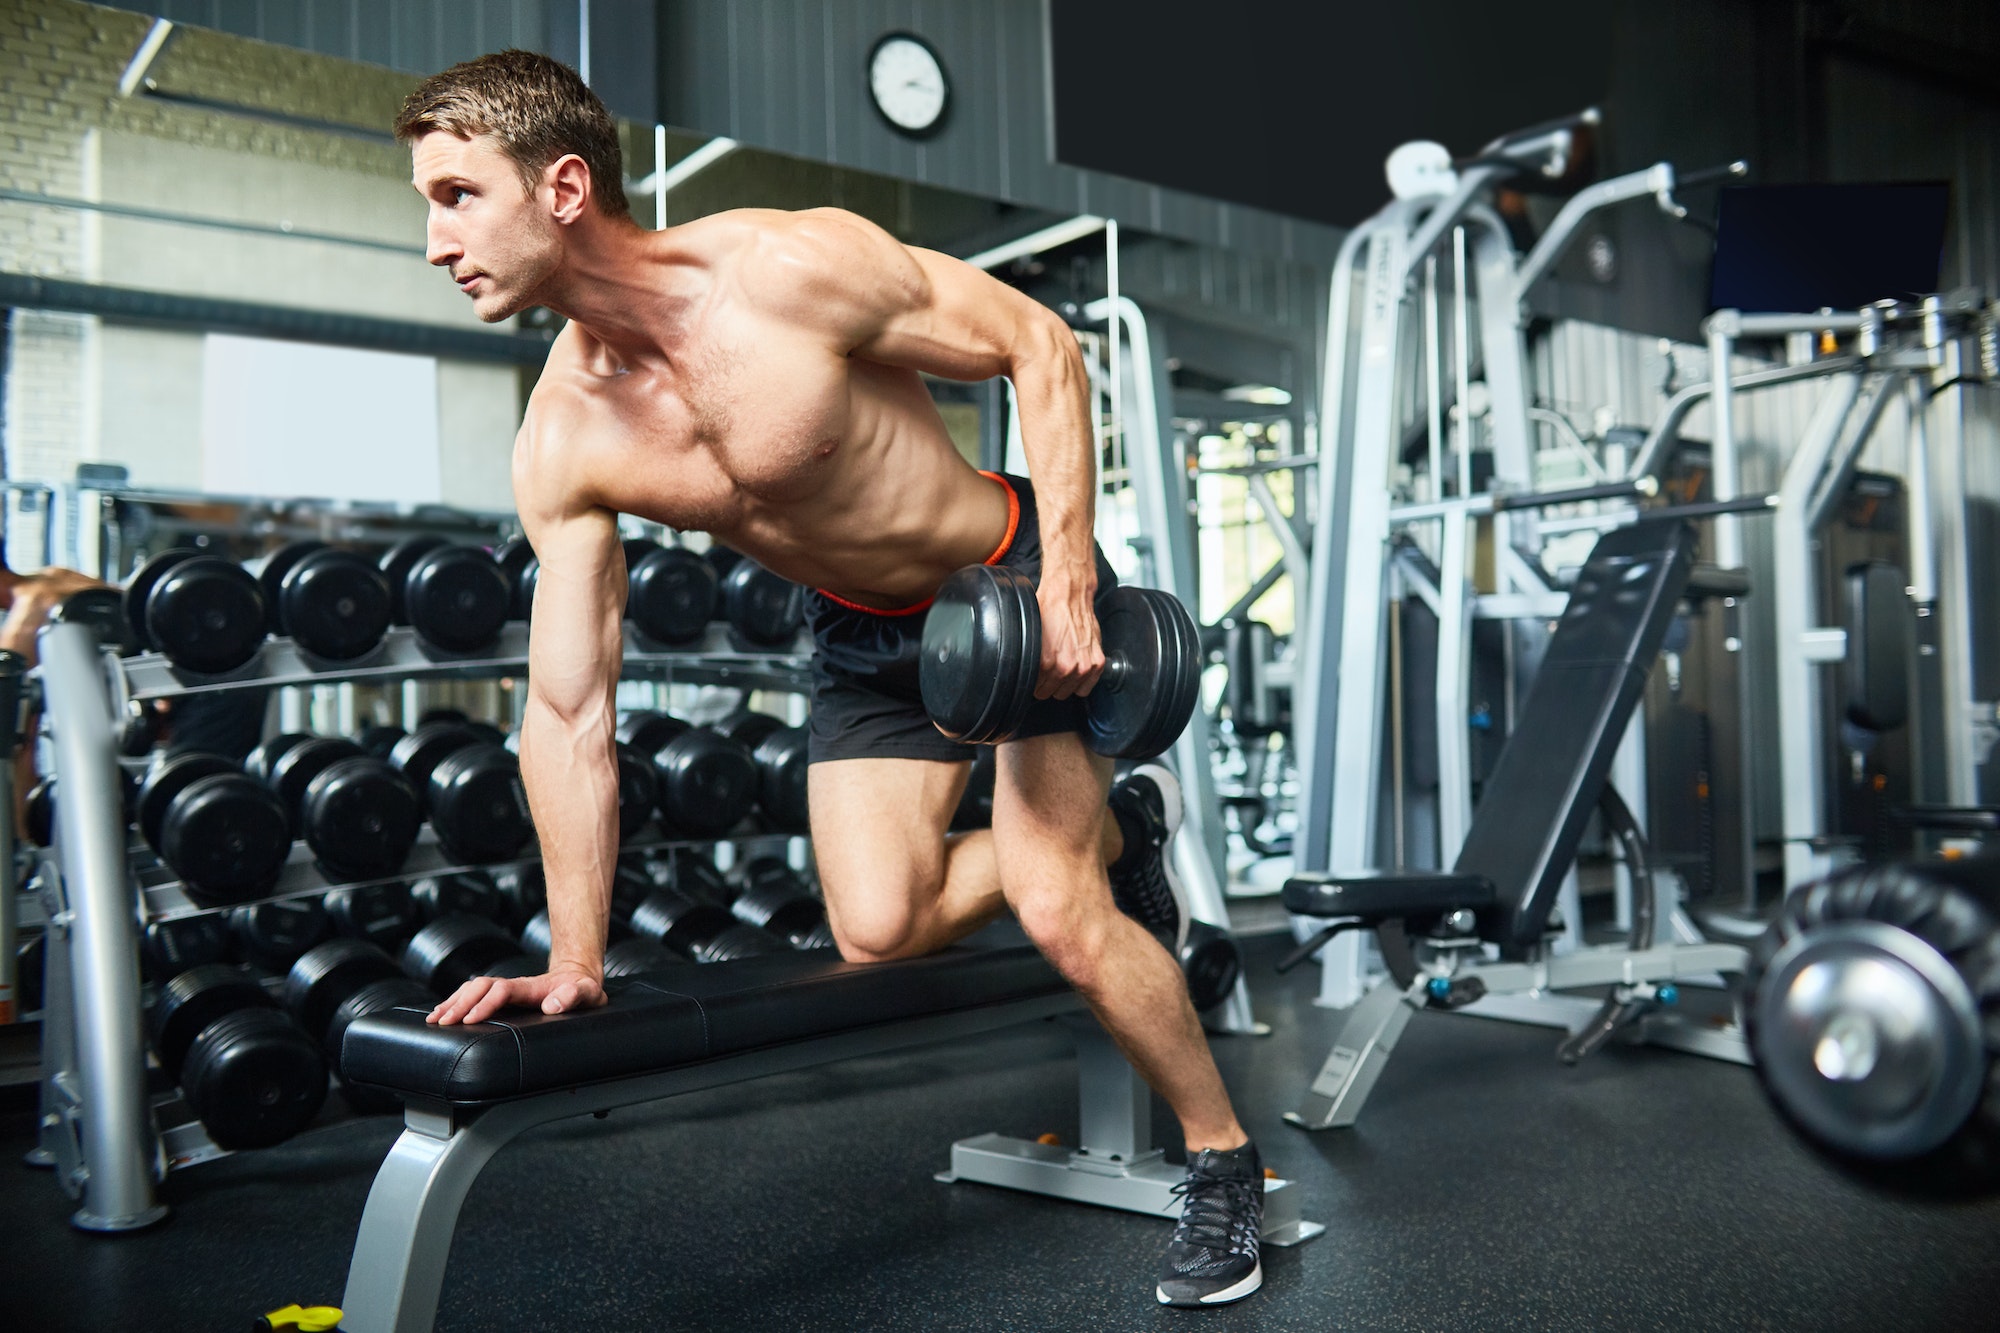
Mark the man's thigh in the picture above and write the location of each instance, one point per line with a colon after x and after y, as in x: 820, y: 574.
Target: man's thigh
x: 878, y: 829
x: 1048, y: 800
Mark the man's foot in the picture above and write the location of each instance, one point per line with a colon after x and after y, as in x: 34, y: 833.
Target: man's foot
x: 1147, y: 805
x: 1213, y: 1257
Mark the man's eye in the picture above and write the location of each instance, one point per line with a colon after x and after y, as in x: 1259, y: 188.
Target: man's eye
x: 459, y: 194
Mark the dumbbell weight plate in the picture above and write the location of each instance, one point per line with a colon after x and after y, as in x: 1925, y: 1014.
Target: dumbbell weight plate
x: 254, y: 1078
x: 638, y: 792
x: 382, y: 914
x: 788, y: 911
x: 524, y: 891
x: 478, y: 806
x: 272, y: 935
x: 260, y: 761
x: 649, y: 732
x: 747, y: 727
x: 207, y: 615
x: 1211, y: 962
x: 1151, y: 679
x: 737, y: 941
x: 172, y: 947
x: 513, y: 556
x: 764, y: 610
x: 389, y: 993
x: 360, y: 817
x: 466, y: 893
x: 636, y: 549
x: 671, y: 596
x: 450, y: 952
x: 293, y: 771
x: 631, y: 957
x: 782, y: 790
x: 335, y: 605
x: 457, y: 600
x: 140, y: 586
x: 982, y: 650
x: 524, y: 588
x: 396, y: 564
x: 271, y: 571
x: 103, y: 610
x: 326, y: 974
x: 227, y: 838
x: 169, y: 776
x: 679, y: 922
x: 379, y: 741
x: 706, y: 783
x: 194, y: 999
x: 420, y: 752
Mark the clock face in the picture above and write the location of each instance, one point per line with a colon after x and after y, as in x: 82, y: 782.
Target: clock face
x: 908, y: 83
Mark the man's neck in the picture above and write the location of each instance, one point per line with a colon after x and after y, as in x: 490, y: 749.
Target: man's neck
x: 627, y: 287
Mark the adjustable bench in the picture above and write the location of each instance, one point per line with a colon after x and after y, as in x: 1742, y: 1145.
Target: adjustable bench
x: 469, y: 1089
x: 1496, y: 899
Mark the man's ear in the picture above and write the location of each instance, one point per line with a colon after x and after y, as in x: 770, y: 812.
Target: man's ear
x: 568, y: 181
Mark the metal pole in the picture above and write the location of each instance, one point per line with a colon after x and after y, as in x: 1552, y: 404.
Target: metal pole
x: 12, y: 665
x: 116, y: 1130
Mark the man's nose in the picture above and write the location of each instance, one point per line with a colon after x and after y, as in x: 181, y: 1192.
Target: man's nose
x: 439, y: 247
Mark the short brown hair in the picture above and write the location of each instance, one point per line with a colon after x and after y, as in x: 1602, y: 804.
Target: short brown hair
x: 535, y: 108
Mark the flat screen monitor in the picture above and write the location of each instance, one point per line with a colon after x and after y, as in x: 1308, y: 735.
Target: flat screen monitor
x: 1794, y: 249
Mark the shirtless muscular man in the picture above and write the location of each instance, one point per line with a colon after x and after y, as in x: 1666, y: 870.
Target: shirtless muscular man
x: 755, y: 375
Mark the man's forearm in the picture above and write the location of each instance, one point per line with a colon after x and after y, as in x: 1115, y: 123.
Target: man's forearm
x: 1053, y: 395
x: 571, y: 775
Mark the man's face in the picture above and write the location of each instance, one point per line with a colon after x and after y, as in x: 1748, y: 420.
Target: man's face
x: 496, y: 239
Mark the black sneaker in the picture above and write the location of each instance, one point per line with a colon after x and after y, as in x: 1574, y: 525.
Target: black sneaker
x: 1213, y: 1257
x: 1147, y: 805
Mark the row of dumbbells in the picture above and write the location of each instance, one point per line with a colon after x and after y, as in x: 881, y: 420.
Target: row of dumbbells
x: 254, y: 1066
x: 227, y: 833
x: 209, y: 615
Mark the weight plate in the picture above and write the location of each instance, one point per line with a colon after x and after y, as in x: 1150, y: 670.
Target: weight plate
x: 513, y: 556
x: 140, y: 586
x: 261, y: 760
x: 326, y: 974
x: 272, y: 935
x: 379, y: 741
x: 982, y: 650
x: 638, y: 792
x: 293, y: 771
x: 648, y: 733
x: 335, y: 605
x: 360, y: 817
x: 379, y: 913
x: 788, y: 911
x: 678, y: 921
x: 169, y: 776
x: 174, y: 946
x: 452, y: 950
x: 671, y: 595
x: 417, y: 754
x: 271, y: 572
x: 1211, y: 963
x: 737, y: 941
x: 396, y: 564
x: 524, y: 890
x: 254, y: 1079
x: 465, y: 892
x: 781, y: 780
x: 629, y: 958
x: 479, y: 808
x: 457, y: 600
x: 765, y: 610
x: 524, y: 589
x: 747, y: 727
x: 1151, y: 678
x: 227, y: 838
x: 194, y: 999
x: 103, y: 610
x: 207, y: 615
x: 706, y: 783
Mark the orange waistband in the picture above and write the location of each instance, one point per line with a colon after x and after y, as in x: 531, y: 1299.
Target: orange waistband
x: 999, y: 554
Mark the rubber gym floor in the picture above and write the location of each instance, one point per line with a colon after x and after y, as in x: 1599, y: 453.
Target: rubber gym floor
x: 1486, y: 1187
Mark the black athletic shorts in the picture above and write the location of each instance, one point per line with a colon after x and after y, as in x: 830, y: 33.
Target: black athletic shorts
x: 866, y: 702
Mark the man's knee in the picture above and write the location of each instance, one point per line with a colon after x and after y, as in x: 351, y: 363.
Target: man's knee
x: 883, y: 920
x: 1069, y: 924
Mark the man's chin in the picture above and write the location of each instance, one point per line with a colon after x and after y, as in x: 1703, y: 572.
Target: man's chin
x: 494, y: 310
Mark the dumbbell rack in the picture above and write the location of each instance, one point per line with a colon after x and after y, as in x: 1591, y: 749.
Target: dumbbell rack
x: 109, y: 1140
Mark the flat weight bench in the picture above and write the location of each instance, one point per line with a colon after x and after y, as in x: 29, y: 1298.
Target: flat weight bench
x: 1549, y: 777
x: 470, y: 1089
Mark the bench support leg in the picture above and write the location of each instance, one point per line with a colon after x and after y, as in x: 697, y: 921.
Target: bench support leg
x: 399, y: 1255
x: 1117, y: 1165
x: 1357, y: 1059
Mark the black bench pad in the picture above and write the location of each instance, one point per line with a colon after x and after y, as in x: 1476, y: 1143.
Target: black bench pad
x: 681, y: 1016
x: 1382, y: 895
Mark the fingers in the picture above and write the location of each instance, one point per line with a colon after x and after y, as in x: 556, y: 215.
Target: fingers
x: 491, y: 1003
x: 467, y: 998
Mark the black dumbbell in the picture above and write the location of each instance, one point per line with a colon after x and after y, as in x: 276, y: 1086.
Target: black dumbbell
x: 638, y: 792
x: 360, y: 817
x: 765, y: 611
x: 781, y: 755
x: 513, y: 556
x: 479, y: 808
x: 247, y: 1069
x: 397, y: 992
x: 415, y: 755
x: 706, y: 781
x: 380, y: 740
x: 975, y: 804
x: 1211, y: 962
x: 173, y: 946
x: 272, y: 935
x: 323, y: 977
x: 291, y: 770
x: 671, y: 594
x: 382, y: 914
x: 456, y: 599
x: 206, y: 614
x: 396, y: 564
x: 258, y: 762
x: 982, y: 652
x: 224, y: 834
x: 103, y: 610
x: 333, y: 603
x: 523, y: 890
x: 776, y: 900
x: 701, y: 931
x: 39, y: 806
x: 452, y: 950
x: 629, y: 958
x: 461, y: 893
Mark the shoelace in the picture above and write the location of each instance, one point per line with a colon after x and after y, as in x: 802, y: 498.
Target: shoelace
x: 1216, y: 1208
